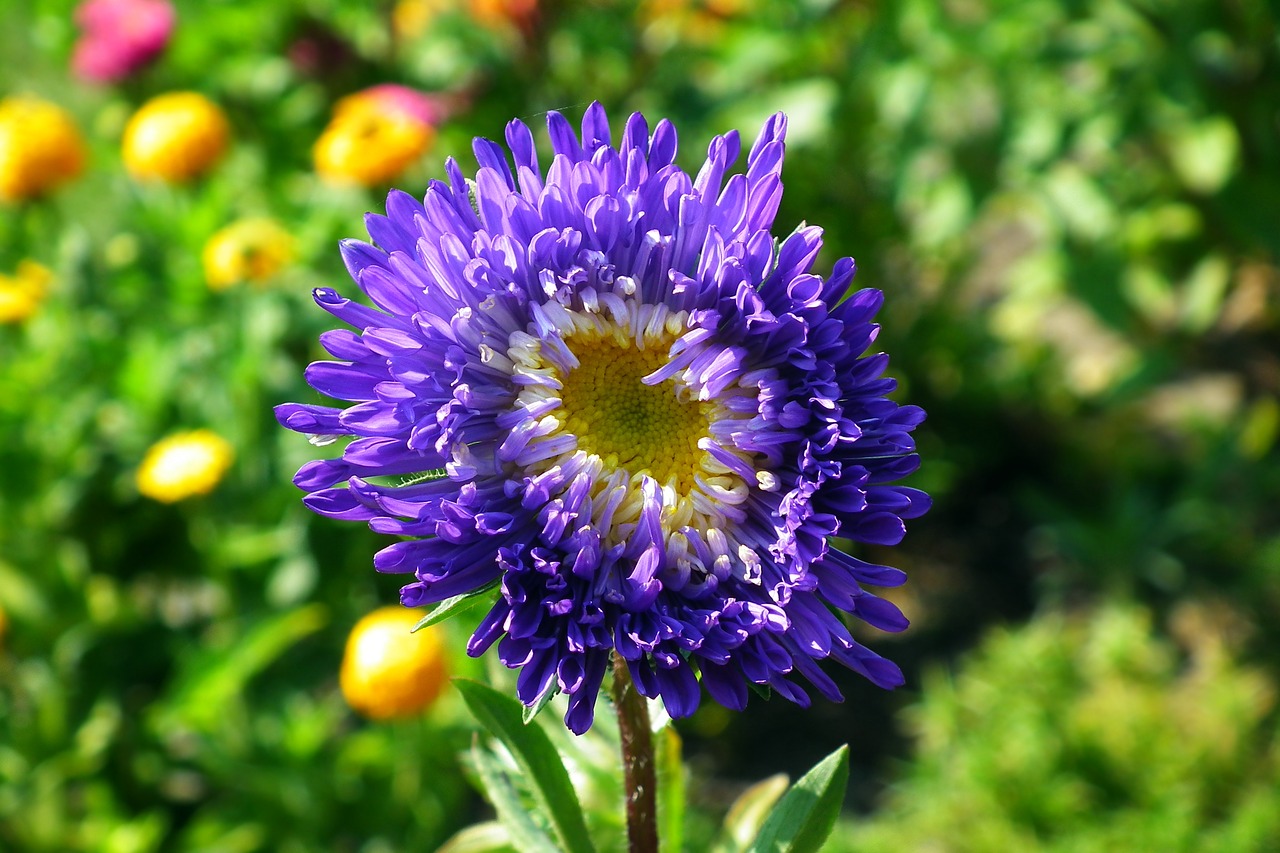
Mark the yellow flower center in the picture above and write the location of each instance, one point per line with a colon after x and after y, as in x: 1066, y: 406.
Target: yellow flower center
x: 602, y: 419
x: 642, y: 428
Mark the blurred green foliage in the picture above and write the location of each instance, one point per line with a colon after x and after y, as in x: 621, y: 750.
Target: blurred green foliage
x: 1074, y: 209
x: 1079, y: 734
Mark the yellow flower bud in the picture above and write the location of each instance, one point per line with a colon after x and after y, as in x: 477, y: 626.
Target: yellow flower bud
x: 175, y: 137
x: 388, y: 672
x: 22, y: 293
x: 40, y: 148
x: 184, y: 465
x: 246, y: 250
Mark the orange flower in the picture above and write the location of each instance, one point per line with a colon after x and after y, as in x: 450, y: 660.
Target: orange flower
x: 175, y: 137
x: 40, y: 148
x: 388, y: 672
x: 376, y: 134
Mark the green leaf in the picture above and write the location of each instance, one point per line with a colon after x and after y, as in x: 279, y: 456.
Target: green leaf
x: 539, y: 762
x: 455, y: 606
x: 804, y: 816
x: 521, y: 830
x: 748, y: 813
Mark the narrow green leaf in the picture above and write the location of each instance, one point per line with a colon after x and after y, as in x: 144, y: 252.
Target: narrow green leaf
x: 671, y: 789
x: 544, y: 699
x: 522, y: 832
x: 456, y: 606
x: 804, y: 816
x: 539, y: 762
x: 748, y: 813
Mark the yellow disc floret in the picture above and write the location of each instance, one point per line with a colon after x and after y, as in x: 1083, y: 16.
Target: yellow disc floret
x: 388, y: 672
x: 638, y: 442
x: 184, y: 465
x: 40, y: 148
x: 628, y: 424
x: 175, y: 137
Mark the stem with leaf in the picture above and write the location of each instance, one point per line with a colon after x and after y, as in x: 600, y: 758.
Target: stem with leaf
x: 639, y: 777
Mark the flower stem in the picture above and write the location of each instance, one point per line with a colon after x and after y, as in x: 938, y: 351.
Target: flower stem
x: 639, y: 779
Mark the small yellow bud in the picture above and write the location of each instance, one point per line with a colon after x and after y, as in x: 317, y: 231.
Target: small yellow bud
x: 246, y: 250
x: 40, y: 148
x: 22, y: 293
x: 388, y: 672
x: 175, y: 137
x: 184, y: 465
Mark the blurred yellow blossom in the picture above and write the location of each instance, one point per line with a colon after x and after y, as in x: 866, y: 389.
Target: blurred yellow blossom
x: 693, y: 21
x: 411, y: 18
x: 23, y: 291
x: 495, y: 13
x: 246, y: 250
x: 40, y: 147
x: 376, y: 134
x: 175, y: 137
x: 184, y: 465
x: 389, y: 672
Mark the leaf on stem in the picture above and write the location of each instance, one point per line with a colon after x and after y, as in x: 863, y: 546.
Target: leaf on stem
x: 804, y: 816
x: 522, y: 832
x: 540, y: 764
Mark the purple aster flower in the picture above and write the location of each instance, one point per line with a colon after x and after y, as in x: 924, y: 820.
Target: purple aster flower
x: 610, y: 390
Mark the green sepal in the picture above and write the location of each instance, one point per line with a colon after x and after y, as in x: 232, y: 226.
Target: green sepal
x: 455, y: 606
x: 544, y: 698
x: 540, y: 765
x: 805, y: 815
x: 424, y: 477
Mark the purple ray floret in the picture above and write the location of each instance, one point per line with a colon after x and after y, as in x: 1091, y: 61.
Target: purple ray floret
x: 606, y: 386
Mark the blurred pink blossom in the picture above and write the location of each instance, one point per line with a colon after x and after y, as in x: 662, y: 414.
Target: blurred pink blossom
x: 120, y: 36
x: 394, y: 98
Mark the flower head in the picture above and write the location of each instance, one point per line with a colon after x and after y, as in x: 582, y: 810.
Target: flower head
x: 246, y: 250
x: 120, y: 37
x: 22, y: 292
x: 184, y: 465
x: 40, y: 148
x: 388, y: 669
x: 376, y: 134
x: 175, y: 137
x: 642, y: 417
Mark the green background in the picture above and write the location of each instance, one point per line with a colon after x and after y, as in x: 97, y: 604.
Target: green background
x: 1074, y: 211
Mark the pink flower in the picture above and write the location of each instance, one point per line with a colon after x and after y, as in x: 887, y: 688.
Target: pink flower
x: 401, y: 100
x: 120, y: 37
